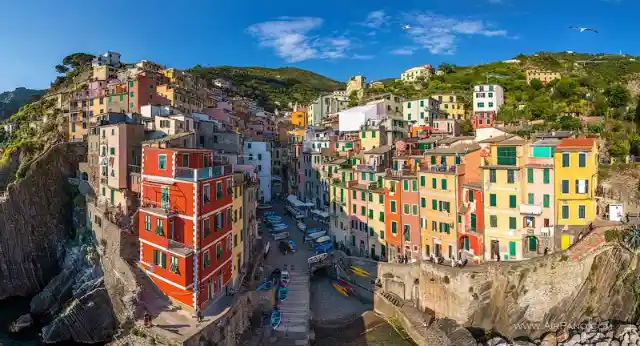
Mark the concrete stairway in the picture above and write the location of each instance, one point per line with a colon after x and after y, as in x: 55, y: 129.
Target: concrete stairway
x: 294, y: 327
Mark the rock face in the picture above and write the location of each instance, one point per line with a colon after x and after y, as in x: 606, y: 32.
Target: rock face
x: 35, y: 222
x: 528, y: 298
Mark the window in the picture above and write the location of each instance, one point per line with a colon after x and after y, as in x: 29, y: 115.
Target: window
x: 405, y: 185
x: 408, y: 104
x: 218, y: 250
x: 565, y: 186
x: 565, y: 160
x: 546, y: 199
x: 582, y: 160
x: 546, y: 176
x: 493, y: 221
x: 473, y: 221
x: 381, y: 199
x: 582, y: 212
x: 185, y: 160
x: 159, y: 227
x: 512, y: 223
x: 530, y: 175
x: 147, y: 222
x: 206, y: 193
x: 470, y: 195
x: 443, y: 183
x: 373, y: 134
x: 582, y: 186
x: 492, y: 175
x: 492, y: 200
x: 406, y: 209
x: 354, y: 195
x: 565, y: 211
x: 393, y: 207
x: 415, y: 209
x: 206, y: 260
x: 423, y: 202
x: 219, y: 193
x: 381, y: 216
x: 174, y: 264
x: 156, y: 257
x: 363, y: 211
x: 371, y: 214
x: 409, y: 116
x: 162, y: 161
x: 370, y: 197
x: 480, y: 104
x: 423, y: 181
x: 434, y: 183
x: 206, y: 227
x: 490, y: 104
x: 363, y: 196
x: 394, y: 227
x: 512, y: 201
x: 381, y: 235
x: 414, y: 185
x: 434, y: 204
x: 506, y: 156
x: 530, y: 198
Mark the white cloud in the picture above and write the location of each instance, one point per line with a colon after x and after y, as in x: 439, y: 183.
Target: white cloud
x: 376, y: 19
x: 439, y: 34
x: 495, y: 1
x: 362, y: 57
x: 290, y: 38
x: 404, y: 51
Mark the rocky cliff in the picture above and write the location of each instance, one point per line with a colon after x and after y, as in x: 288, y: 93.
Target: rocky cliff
x: 527, y: 298
x: 36, y: 221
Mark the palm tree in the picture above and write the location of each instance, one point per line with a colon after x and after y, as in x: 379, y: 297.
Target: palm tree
x: 632, y: 238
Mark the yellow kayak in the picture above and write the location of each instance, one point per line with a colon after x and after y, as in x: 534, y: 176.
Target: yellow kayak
x: 359, y: 271
x: 340, y: 289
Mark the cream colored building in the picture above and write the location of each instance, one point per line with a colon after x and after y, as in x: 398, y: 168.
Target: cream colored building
x: 417, y: 73
x: 236, y: 227
x: 356, y: 84
x: 543, y: 76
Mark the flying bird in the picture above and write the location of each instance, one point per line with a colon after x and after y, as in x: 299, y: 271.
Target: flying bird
x: 406, y: 27
x: 583, y: 29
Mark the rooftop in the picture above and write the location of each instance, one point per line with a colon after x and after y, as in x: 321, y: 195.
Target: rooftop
x: 169, y: 138
x: 546, y: 142
x: 580, y: 142
x: 450, y: 140
x: 379, y: 150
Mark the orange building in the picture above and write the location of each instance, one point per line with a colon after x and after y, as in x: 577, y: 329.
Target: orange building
x: 185, y: 224
x: 393, y: 221
x: 299, y: 119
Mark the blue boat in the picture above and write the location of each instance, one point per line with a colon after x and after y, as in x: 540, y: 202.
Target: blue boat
x: 269, y: 213
x: 265, y: 286
x: 292, y: 244
x: 282, y: 293
x: 323, y: 244
x: 275, y: 318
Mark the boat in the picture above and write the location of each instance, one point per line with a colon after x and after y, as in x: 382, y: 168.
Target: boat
x: 292, y: 245
x: 280, y: 236
x: 282, y: 293
x: 341, y: 289
x: 264, y: 206
x: 315, y: 235
x: 322, y: 244
x: 317, y: 258
x: 301, y: 226
x: 270, y: 213
x: 284, y: 278
x: 265, y: 286
x: 344, y: 284
x: 275, y: 318
x: 358, y: 270
x: 273, y: 219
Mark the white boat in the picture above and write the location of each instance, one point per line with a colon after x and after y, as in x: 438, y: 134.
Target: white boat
x: 265, y: 206
x: 302, y: 226
x: 317, y: 258
x: 284, y: 278
x: 315, y: 235
x: 281, y: 236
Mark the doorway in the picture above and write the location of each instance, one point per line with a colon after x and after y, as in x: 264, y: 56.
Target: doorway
x: 495, y: 249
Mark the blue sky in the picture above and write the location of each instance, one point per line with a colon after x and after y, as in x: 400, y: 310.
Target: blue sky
x: 333, y: 38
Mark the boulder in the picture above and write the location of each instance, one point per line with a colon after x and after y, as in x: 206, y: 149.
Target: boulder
x: 625, y: 329
x: 549, y: 340
x: 24, y: 321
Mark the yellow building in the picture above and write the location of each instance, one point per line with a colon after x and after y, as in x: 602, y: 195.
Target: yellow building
x: 371, y: 137
x: 576, y: 179
x: 186, y: 100
x: 452, y: 105
x: 116, y: 98
x: 236, y: 226
x: 299, y: 119
x: 541, y: 75
x: 340, y: 200
x: 502, y: 177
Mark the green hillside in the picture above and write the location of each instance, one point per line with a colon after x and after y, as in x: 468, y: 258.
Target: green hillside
x: 11, y: 101
x: 271, y: 87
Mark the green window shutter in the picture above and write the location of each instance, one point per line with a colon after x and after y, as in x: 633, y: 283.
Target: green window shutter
x: 363, y: 211
x: 406, y: 185
x: 493, y: 221
x: 434, y: 183
x: 546, y: 176
x: 433, y: 160
x: 506, y: 156
x: 163, y: 260
x: 363, y: 196
x: 565, y: 160
x: 511, y: 178
x: 122, y: 97
x: 530, y: 175
x: 394, y: 227
x: 473, y: 221
x: 565, y: 211
x: 512, y: 201
x: 341, y: 194
x: 492, y: 200
x: 512, y: 248
x: 492, y: 175
x: 444, y: 184
x: 393, y: 206
x: 530, y: 198
x: 409, y: 116
x: 185, y: 160
x: 434, y: 204
x: 363, y: 176
x: 545, y: 201
x: 382, y: 216
x: 382, y: 238
x: 370, y: 197
x: 582, y: 160
x: 380, y: 183
x: 423, y: 181
x: 415, y: 209
x: 373, y: 134
x: 512, y: 222
x: 381, y: 199
x: 406, y: 209
x: 414, y: 186
x: 582, y: 212
x: 156, y: 257
x: 565, y: 186
x: 364, y: 134
x: 371, y: 214
x: 423, y: 202
x: 470, y: 195
x: 355, y: 194
x: 371, y: 231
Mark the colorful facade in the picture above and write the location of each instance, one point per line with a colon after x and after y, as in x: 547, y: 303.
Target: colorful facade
x: 185, y: 222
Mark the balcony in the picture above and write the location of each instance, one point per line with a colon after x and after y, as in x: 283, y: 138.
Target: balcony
x: 370, y: 168
x: 454, y: 169
x: 178, y: 247
x: 363, y: 186
x: 390, y: 173
x: 197, y: 174
x: 158, y: 208
x: 531, y: 209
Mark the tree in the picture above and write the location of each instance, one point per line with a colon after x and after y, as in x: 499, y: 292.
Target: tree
x: 619, y: 149
x: 62, y: 69
x: 466, y: 127
x: 535, y: 84
x: 632, y: 238
x: 76, y: 60
x: 353, y: 99
x: 568, y: 123
x: 446, y: 68
x: 617, y: 96
x: 565, y: 88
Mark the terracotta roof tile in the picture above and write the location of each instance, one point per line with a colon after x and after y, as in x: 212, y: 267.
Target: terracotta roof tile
x: 580, y: 142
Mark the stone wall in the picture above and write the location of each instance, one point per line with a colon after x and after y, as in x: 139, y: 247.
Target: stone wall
x: 524, y: 298
x: 36, y: 221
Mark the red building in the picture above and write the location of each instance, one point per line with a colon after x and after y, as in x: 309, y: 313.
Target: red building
x: 471, y: 231
x: 481, y: 120
x: 185, y: 223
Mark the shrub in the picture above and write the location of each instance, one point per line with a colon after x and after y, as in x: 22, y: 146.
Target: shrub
x: 612, y: 235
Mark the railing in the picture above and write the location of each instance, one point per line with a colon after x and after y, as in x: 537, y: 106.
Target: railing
x: 399, y: 173
x: 196, y: 174
x: 530, y: 209
x: 454, y: 169
x: 371, y: 168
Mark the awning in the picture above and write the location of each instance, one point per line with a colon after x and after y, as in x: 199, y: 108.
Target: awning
x: 320, y: 213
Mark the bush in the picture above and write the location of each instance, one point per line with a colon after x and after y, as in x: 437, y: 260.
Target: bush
x: 612, y: 235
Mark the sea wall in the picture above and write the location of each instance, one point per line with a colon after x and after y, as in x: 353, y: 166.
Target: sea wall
x: 36, y: 221
x: 526, y: 298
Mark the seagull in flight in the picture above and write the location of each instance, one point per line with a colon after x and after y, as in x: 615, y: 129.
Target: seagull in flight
x: 583, y: 29
x: 406, y: 27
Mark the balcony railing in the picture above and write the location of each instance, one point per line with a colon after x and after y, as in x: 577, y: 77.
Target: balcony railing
x: 196, y: 174
x: 399, y: 173
x: 454, y: 169
x: 531, y: 209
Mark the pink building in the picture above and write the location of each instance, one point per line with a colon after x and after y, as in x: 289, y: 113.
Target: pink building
x: 410, y: 209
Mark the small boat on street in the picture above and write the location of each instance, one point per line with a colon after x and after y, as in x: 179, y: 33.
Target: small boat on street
x: 275, y: 318
x: 341, y: 289
x: 282, y: 293
x: 359, y: 271
x: 292, y: 245
x: 284, y: 278
x: 265, y: 286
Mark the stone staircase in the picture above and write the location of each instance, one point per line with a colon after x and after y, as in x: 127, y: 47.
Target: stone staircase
x: 393, y: 299
x: 294, y: 327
